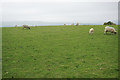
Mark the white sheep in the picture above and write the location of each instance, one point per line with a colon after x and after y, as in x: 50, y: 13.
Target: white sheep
x: 77, y: 24
x: 91, y: 31
x: 26, y: 26
x: 15, y: 25
x: 109, y: 29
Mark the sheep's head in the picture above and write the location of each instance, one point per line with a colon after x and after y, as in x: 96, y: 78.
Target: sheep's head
x: 115, y: 32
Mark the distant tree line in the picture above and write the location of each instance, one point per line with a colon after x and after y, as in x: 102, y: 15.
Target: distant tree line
x: 109, y: 23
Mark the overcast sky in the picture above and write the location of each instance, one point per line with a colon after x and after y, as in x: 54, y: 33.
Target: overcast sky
x: 59, y: 11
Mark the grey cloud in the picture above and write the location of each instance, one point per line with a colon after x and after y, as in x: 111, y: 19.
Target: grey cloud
x: 63, y: 12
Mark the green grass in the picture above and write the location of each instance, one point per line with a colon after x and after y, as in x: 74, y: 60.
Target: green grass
x: 59, y: 52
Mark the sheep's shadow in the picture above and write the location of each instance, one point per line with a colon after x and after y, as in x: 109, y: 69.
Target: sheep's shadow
x: 109, y: 34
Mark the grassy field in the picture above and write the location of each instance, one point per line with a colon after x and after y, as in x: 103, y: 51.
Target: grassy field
x: 59, y: 52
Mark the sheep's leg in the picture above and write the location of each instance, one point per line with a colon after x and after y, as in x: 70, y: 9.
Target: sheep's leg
x: 91, y: 32
x: 105, y: 32
x: 111, y: 33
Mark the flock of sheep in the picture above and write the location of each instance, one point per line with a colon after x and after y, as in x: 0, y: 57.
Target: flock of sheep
x: 107, y: 29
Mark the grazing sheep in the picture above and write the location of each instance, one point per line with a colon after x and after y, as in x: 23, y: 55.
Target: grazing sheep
x: 77, y: 24
x: 91, y: 31
x: 109, y: 29
x: 26, y: 26
x: 15, y: 25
